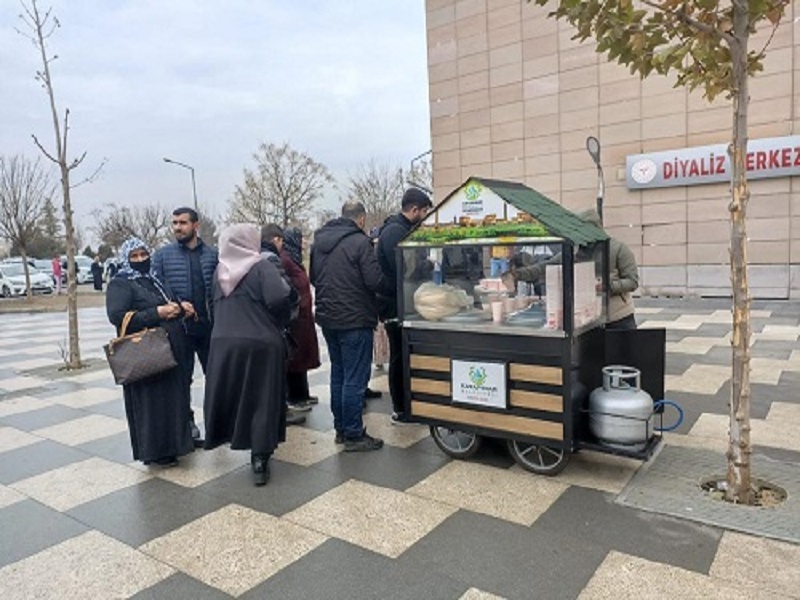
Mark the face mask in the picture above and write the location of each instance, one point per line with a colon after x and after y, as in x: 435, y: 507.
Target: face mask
x: 141, y: 266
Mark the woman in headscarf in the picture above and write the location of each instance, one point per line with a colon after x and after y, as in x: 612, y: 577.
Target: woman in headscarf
x: 156, y: 407
x: 245, y: 381
x: 306, y: 356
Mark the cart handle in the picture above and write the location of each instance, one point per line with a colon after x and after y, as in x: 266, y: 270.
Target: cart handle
x: 677, y: 407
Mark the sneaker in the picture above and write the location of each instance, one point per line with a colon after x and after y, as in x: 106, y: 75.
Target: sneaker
x: 372, y: 394
x: 293, y: 418
x: 167, y: 461
x: 400, y: 418
x: 339, y: 439
x: 197, y: 439
x: 300, y: 406
x: 312, y: 400
x: 363, y: 444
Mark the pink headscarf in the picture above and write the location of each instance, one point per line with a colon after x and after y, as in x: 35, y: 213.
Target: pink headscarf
x: 239, y: 250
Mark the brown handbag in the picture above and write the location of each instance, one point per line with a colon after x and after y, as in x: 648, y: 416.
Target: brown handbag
x: 139, y: 355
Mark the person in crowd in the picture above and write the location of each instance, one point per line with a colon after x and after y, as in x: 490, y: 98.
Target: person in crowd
x: 346, y: 275
x: 246, y: 378
x: 623, y: 276
x: 306, y: 356
x: 57, y: 274
x: 155, y: 407
x: 97, y: 274
x: 414, y: 207
x: 187, y: 267
x: 271, y: 248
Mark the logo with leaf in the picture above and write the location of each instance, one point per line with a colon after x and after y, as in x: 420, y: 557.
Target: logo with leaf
x: 473, y: 191
x: 477, y: 375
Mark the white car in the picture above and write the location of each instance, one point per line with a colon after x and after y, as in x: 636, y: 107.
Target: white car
x: 12, y: 280
x: 84, y: 269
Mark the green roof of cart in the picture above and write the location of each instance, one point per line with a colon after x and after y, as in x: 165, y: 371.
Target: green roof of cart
x: 489, y: 210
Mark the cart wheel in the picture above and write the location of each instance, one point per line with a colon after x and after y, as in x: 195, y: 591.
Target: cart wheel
x: 455, y: 443
x: 539, y: 459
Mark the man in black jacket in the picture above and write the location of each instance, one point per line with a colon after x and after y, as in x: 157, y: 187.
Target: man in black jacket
x: 346, y: 276
x: 415, y: 207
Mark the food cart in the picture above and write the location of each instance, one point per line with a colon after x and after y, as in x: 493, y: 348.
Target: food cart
x: 503, y: 301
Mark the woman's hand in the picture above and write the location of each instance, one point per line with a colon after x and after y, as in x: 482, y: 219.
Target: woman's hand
x: 172, y: 310
x: 188, y: 310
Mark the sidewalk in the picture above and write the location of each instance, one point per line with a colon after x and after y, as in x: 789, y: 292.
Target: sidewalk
x: 78, y: 519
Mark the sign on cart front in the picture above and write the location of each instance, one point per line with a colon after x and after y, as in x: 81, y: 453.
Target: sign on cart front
x: 479, y: 383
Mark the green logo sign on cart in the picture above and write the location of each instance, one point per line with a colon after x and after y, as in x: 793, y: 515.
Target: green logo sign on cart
x: 479, y: 383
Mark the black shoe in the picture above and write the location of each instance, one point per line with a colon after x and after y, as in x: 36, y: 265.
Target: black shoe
x: 339, y: 439
x: 372, y: 394
x: 167, y: 461
x: 300, y: 406
x: 292, y: 418
x: 400, y: 418
x: 197, y: 440
x: 363, y: 444
x: 260, y: 470
x: 311, y: 400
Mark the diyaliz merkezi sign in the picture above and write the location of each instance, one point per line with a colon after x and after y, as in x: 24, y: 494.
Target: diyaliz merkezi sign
x: 767, y: 157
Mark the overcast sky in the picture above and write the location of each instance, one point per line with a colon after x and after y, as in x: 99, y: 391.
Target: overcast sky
x: 204, y: 82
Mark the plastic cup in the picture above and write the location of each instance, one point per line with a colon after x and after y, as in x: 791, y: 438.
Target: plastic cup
x: 497, y: 311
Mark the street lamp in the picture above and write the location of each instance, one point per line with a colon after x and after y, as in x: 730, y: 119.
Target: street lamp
x: 185, y: 166
x: 593, y: 147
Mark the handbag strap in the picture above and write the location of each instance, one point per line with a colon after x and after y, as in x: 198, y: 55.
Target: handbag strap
x: 125, y: 322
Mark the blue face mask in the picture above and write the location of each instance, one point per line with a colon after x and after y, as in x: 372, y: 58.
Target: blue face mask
x: 143, y: 266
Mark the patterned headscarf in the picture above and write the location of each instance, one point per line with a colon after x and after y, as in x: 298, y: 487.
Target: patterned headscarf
x: 125, y: 269
x: 239, y: 251
x: 293, y: 244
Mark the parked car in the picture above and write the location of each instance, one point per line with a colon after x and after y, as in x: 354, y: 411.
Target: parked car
x: 12, y: 280
x: 46, y: 266
x: 110, y: 268
x: 83, y: 266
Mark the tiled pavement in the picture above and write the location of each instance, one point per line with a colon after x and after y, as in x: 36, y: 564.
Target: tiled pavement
x: 78, y: 519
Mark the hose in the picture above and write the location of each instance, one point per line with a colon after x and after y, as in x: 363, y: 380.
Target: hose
x: 677, y: 407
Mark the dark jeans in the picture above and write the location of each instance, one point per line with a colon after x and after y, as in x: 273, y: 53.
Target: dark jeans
x: 396, y: 386
x: 195, y: 344
x: 350, y: 353
x: 628, y: 322
x: 297, y: 386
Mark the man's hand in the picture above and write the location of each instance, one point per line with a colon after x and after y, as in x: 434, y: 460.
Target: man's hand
x: 171, y: 310
x: 509, y: 279
x: 188, y: 310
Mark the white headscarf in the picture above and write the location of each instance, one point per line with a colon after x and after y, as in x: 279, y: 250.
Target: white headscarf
x: 239, y: 251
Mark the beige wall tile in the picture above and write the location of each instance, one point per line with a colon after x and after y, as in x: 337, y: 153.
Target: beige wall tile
x: 622, y: 216
x: 436, y: 4
x: 660, y: 144
x: 441, y: 107
x: 709, y: 231
x: 578, y: 179
x: 507, y: 74
x: 473, y: 44
x: 540, y: 125
x: 664, y: 255
x: 710, y: 253
x: 630, y: 235
x: 447, y: 141
x: 506, y: 132
x: 476, y: 155
x: 442, y: 52
x: 664, y: 127
x: 610, y: 72
x: 482, y: 170
x: 768, y: 205
x: 763, y: 87
x: 506, y: 94
x: 762, y: 253
x: 672, y: 102
x: 445, y: 33
x: 514, y: 149
x: 545, y: 164
x: 767, y: 111
x: 512, y: 170
x: 541, y: 106
x: 672, y: 233
x: 505, y: 16
x: 581, y: 78
x: 503, y: 36
x: 446, y: 124
x: 712, y: 119
x: 703, y: 211
x: 477, y: 100
x: 545, y: 45
x: 507, y: 112
x: 505, y: 55
x: 443, y: 89
x: 620, y: 91
x: 448, y: 159
x: 473, y: 63
x: 468, y: 8
x: 441, y: 16
x: 620, y: 132
x: 576, y: 139
x: 473, y: 82
x: 475, y: 137
x: 578, y: 119
x: 545, y: 86
x: 537, y: 67
x: 767, y: 229
x: 672, y: 212
x: 577, y: 57
x: 542, y: 145
x: 576, y: 200
x: 620, y: 112
x: 577, y: 100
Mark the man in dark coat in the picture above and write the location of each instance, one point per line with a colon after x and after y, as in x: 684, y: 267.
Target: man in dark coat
x: 346, y: 275
x: 187, y: 267
x: 414, y: 208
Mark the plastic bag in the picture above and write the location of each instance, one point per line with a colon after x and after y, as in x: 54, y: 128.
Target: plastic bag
x: 434, y: 302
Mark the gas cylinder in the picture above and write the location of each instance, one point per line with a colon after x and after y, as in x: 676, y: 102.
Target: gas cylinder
x: 620, y: 412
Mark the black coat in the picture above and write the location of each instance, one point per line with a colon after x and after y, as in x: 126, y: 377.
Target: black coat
x: 346, y: 276
x: 157, y: 408
x: 394, y: 229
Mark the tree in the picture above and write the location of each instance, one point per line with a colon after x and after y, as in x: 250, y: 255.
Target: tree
x: 24, y: 189
x: 88, y: 252
x: 282, y: 188
x: 706, y: 42
x: 379, y: 187
x: 38, y: 28
x: 208, y: 228
x: 48, y: 241
x: 149, y: 222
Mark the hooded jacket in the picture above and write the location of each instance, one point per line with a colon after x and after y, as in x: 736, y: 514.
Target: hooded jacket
x: 346, y: 276
x: 394, y: 229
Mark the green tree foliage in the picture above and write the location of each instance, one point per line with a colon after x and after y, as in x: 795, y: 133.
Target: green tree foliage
x: 706, y: 43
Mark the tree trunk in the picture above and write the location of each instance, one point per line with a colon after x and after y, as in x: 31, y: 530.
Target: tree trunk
x: 74, y: 359
x: 739, y: 447
x: 27, y: 267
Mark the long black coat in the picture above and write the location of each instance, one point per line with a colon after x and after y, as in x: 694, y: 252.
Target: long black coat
x: 246, y: 376
x: 157, y: 407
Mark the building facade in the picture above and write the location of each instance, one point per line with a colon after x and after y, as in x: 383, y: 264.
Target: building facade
x: 513, y: 97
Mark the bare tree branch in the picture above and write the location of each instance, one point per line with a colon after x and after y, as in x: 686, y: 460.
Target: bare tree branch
x: 93, y: 177
x: 41, y: 148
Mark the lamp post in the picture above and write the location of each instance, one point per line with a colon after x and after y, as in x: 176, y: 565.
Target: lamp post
x: 593, y: 147
x: 185, y: 166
